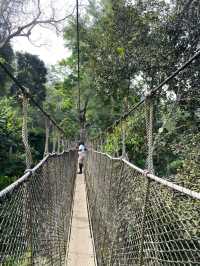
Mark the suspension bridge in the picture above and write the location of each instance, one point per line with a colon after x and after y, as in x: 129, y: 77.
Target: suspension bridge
x: 133, y: 216
x: 115, y: 214
x: 118, y: 213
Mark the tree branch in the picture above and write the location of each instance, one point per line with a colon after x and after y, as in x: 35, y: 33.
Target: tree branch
x: 26, y: 29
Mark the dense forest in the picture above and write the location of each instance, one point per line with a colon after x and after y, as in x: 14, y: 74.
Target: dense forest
x: 126, y: 48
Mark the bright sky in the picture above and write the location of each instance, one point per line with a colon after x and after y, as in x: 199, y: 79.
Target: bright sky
x: 46, y: 44
x: 51, y: 47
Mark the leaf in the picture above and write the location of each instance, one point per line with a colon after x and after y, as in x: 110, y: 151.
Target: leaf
x: 170, y: 125
x: 2, y: 60
x: 121, y: 51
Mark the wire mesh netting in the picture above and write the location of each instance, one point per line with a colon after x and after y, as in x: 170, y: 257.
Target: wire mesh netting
x: 35, y: 213
x: 137, y: 220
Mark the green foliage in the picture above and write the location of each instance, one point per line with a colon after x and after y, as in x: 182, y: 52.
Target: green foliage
x: 135, y: 140
x: 11, y: 149
x: 126, y: 48
x: 112, y: 145
x: 121, y: 51
x: 12, y: 157
x: 188, y: 173
x: 2, y: 60
x: 6, y: 57
x: 6, y: 181
x: 24, y: 261
x: 59, y: 102
x: 31, y: 73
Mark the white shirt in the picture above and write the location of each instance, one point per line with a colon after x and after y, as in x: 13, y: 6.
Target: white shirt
x: 81, y: 148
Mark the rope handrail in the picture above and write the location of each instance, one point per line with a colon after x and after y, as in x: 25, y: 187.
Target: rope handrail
x: 23, y: 178
x: 14, y: 185
x: 28, y: 173
x: 157, y: 179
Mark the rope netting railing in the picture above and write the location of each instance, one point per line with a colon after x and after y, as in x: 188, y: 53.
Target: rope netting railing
x: 35, y: 213
x: 138, y: 218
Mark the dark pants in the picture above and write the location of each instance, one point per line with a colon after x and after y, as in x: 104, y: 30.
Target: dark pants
x: 80, y: 168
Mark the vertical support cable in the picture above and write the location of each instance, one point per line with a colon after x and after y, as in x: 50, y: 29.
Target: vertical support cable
x: 58, y: 140
x: 78, y: 58
x: 123, y: 130
x: 63, y: 144
x: 123, y: 141
x: 150, y: 165
x: 146, y: 200
x: 149, y: 125
x: 149, y: 132
x: 54, y: 139
x: 30, y: 220
x: 29, y: 162
x: 25, y: 131
x: 101, y: 142
x: 66, y: 145
x: 46, y: 149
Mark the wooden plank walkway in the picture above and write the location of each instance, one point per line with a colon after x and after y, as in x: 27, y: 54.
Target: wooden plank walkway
x: 80, y: 251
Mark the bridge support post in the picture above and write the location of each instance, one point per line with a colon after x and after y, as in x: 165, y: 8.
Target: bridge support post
x: 28, y: 190
x: 150, y: 169
x: 25, y: 131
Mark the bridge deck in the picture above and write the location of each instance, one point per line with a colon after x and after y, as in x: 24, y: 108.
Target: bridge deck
x: 81, y: 251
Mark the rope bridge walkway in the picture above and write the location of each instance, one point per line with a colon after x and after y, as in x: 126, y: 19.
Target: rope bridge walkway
x: 80, y: 250
x: 136, y: 217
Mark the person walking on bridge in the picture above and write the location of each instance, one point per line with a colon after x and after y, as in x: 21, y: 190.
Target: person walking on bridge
x: 81, y: 156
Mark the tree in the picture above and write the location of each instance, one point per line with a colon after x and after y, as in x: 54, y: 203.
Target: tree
x: 130, y: 47
x: 20, y: 17
x: 31, y: 73
x: 7, y: 55
x: 86, y: 76
x: 11, y: 148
